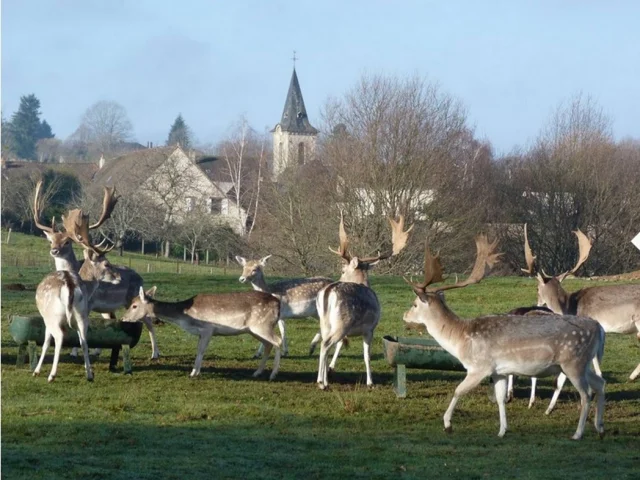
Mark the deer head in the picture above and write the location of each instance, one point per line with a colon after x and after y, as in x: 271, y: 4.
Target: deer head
x: 251, y: 269
x: 550, y: 292
x: 354, y: 269
x: 429, y: 297
x: 96, y: 267
x: 141, y: 306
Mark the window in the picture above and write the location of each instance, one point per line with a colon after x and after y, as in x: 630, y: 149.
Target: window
x: 301, y: 153
x: 190, y: 204
x: 215, y: 205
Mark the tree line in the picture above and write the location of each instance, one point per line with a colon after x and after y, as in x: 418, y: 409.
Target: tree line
x: 404, y: 146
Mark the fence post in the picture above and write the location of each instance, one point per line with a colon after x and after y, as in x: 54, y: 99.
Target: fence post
x: 148, y: 267
x: 184, y: 254
x: 207, y: 256
x: 8, y: 236
x: 177, y: 266
x: 143, y: 246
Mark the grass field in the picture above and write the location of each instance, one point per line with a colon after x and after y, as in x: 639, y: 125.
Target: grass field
x: 158, y: 423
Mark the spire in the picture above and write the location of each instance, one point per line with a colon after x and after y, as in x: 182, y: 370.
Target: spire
x: 294, y: 116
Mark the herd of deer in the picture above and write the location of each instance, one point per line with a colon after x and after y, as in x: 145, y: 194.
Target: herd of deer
x: 566, y: 338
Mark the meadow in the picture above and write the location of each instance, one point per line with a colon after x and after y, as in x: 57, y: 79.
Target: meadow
x: 159, y: 423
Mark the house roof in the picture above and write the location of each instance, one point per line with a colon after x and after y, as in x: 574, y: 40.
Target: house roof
x: 132, y: 169
x: 294, y: 116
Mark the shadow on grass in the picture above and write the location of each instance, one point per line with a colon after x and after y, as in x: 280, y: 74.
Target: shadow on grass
x: 199, y: 445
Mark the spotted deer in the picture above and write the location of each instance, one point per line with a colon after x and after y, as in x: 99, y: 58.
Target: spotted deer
x: 615, y: 307
x: 64, y: 296
x: 212, y: 314
x: 502, y: 345
x: 297, y: 296
x: 349, y: 306
x: 108, y: 297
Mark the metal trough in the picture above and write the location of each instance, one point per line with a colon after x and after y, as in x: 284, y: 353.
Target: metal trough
x: 28, y: 331
x: 403, y: 352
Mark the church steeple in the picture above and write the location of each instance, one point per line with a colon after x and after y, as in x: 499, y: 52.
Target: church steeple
x: 294, y: 138
x: 294, y: 115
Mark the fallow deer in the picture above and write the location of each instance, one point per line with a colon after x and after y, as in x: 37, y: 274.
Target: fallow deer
x: 223, y: 314
x: 63, y: 296
x: 350, y: 307
x: 502, y: 345
x: 615, y: 307
x: 109, y: 297
x: 297, y: 296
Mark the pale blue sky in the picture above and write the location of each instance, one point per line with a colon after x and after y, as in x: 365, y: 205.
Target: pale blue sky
x: 510, y: 62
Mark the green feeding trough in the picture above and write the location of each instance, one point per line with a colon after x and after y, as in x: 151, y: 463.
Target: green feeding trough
x: 406, y: 352
x: 28, y: 331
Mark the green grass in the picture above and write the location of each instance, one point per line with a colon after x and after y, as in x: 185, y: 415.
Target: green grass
x: 158, y: 423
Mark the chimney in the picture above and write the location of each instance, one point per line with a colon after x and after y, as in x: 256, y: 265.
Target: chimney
x: 101, y: 162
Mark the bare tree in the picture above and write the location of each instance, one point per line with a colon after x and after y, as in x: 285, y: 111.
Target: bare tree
x: 105, y: 124
x: 244, y: 154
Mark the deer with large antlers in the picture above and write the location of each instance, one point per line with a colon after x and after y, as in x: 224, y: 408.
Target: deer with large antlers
x: 350, y: 307
x: 502, y: 345
x: 216, y: 314
x: 297, y: 296
x: 108, y: 297
x: 64, y: 296
x: 615, y: 307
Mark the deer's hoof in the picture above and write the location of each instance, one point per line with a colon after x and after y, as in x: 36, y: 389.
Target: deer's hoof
x: 322, y: 386
x: 51, y: 379
x: 36, y: 374
x: 448, y: 429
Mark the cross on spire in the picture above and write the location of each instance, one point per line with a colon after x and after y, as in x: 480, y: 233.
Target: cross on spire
x: 294, y: 58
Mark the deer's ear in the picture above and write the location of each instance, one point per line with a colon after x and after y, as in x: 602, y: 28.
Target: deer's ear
x: 354, y: 263
x: 241, y: 260
x: 48, y: 235
x: 263, y: 261
x: 141, y: 294
x: 151, y: 292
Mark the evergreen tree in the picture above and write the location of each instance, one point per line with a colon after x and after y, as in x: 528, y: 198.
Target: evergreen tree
x: 26, y: 128
x: 179, y: 133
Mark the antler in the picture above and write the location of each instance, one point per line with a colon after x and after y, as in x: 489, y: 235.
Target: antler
x: 76, y: 223
x: 399, y: 239
x: 529, y: 257
x: 486, y: 259
x: 344, y: 241
x: 36, y: 211
x: 584, y: 247
x: 108, y: 203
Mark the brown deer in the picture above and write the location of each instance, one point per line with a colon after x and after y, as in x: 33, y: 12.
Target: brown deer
x: 224, y: 314
x: 63, y: 296
x: 350, y: 307
x: 615, y: 307
x: 109, y: 297
x: 297, y: 296
x: 502, y: 345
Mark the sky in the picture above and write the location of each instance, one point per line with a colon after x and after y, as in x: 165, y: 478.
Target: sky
x: 511, y: 63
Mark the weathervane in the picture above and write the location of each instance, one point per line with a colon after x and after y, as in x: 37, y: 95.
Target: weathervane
x: 294, y: 59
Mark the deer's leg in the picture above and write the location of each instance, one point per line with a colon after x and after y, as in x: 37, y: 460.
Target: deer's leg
x: 635, y: 373
x: 596, y: 366
x: 155, y: 351
x: 510, y: 388
x: 532, y: 398
x: 559, y: 384
x: 322, y: 364
x: 260, y: 351
x: 58, y: 336
x: 269, y: 339
x: 285, y: 342
x: 579, y: 380
x: 205, y: 337
x: 500, y: 386
x: 471, y: 381
x: 366, y: 343
x: 332, y: 365
x: 82, y: 335
x: 314, y: 342
x: 45, y: 347
x: 596, y: 382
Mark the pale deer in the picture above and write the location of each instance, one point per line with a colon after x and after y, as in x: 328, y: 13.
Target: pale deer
x: 63, y: 296
x: 297, y: 296
x: 615, y: 307
x: 109, y: 297
x: 350, y: 307
x: 502, y: 345
x: 216, y: 314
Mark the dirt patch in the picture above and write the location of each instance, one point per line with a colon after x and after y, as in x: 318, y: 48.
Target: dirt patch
x: 16, y: 287
x: 622, y: 276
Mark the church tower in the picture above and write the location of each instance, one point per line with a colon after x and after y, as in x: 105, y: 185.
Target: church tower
x: 294, y: 139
